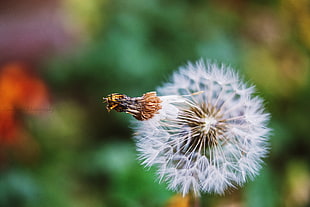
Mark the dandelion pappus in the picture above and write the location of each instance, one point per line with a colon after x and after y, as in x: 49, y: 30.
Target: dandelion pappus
x: 142, y: 108
x: 209, y: 141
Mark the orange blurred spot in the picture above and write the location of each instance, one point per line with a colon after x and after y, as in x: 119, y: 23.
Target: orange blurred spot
x: 21, y: 92
x: 179, y: 201
x: 8, y: 126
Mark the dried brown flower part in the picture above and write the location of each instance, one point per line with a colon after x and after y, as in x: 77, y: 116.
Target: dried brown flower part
x: 142, y: 108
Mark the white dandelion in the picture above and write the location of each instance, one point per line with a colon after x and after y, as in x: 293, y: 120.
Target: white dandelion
x: 208, y: 132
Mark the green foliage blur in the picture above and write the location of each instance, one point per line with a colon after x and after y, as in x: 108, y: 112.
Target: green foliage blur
x: 85, y: 156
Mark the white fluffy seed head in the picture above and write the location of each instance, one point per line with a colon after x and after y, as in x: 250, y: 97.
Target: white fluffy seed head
x: 207, y: 141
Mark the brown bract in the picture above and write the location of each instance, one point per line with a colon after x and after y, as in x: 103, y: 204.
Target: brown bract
x: 142, y: 108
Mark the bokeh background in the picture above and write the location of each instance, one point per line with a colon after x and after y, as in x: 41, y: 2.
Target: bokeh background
x: 60, y: 147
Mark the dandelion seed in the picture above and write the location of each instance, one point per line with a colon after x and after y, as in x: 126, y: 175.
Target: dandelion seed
x: 208, y: 141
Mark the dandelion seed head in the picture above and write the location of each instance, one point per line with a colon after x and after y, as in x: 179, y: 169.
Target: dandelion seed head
x: 208, y: 141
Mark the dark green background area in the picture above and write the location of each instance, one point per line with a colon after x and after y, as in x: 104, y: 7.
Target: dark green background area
x: 87, y: 156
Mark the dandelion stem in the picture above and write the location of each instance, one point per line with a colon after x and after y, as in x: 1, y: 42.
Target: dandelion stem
x: 194, y: 200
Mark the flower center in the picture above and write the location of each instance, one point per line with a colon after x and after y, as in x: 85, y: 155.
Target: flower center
x: 208, y: 123
x: 205, y: 125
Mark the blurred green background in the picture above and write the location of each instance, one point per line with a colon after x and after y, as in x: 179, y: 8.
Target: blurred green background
x: 60, y: 147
